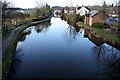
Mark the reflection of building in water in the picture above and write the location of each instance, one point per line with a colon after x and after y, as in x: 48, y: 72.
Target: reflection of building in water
x: 57, y: 15
x: 85, y: 34
x: 81, y: 30
x: 96, y: 40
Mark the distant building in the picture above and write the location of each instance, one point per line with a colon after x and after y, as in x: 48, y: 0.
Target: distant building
x: 12, y: 10
x: 66, y: 11
x: 82, y: 10
x: 72, y: 10
x: 56, y: 9
x: 112, y: 12
x: 94, y: 17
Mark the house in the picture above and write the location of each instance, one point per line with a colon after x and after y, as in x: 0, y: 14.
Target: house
x: 94, y: 17
x: 72, y: 11
x: 98, y: 8
x: 66, y: 10
x: 13, y: 10
x: 112, y: 12
x: 56, y: 9
x: 82, y: 10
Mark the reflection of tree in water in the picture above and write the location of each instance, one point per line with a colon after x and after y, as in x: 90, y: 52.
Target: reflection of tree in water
x: 38, y: 28
x: 42, y: 27
x: 16, y: 63
x: 109, y: 58
x: 24, y: 34
x: 71, y: 33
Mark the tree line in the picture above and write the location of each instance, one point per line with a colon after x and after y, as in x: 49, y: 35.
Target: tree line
x: 14, y: 18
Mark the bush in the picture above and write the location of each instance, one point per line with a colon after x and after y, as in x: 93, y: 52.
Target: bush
x: 80, y: 18
x: 98, y: 25
x: 71, y: 19
x: 115, y: 25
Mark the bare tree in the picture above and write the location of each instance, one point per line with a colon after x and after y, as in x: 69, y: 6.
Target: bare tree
x: 5, y: 5
x: 40, y: 3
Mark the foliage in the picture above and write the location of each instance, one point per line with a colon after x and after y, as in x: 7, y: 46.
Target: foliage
x: 98, y: 25
x: 116, y: 25
x: 5, y: 5
x: 72, y: 19
x: 80, y: 18
x: 16, y: 18
x: 6, y: 33
x: 41, y: 12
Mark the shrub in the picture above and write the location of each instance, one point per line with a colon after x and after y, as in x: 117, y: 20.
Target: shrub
x: 116, y: 25
x: 98, y: 25
x: 80, y: 18
x: 71, y: 19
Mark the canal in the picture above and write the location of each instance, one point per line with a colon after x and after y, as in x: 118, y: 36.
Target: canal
x: 55, y: 49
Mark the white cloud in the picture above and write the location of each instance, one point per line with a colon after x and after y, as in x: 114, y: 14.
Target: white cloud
x: 32, y: 3
x: 23, y: 3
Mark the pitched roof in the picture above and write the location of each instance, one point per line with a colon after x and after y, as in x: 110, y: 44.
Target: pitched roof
x: 79, y: 7
x: 87, y: 8
x: 92, y: 13
x: 98, y: 8
x: 83, y: 6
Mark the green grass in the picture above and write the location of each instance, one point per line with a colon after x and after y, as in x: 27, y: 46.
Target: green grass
x: 11, y: 48
x: 11, y: 28
x: 5, y: 34
x: 113, y: 37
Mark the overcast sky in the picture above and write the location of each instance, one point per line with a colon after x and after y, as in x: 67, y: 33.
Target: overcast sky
x: 32, y: 3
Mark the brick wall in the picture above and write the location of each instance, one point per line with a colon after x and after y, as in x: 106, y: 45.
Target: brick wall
x: 98, y: 19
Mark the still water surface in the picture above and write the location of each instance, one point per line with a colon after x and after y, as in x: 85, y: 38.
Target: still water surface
x: 54, y: 49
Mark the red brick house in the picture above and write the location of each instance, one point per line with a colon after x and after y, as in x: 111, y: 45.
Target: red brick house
x: 94, y: 17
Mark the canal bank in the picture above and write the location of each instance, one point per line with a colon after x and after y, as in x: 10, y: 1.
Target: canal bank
x: 11, y: 46
x: 111, y: 39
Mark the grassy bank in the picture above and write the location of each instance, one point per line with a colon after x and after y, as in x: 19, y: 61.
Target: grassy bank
x: 11, y: 48
x: 113, y: 37
x: 5, y: 34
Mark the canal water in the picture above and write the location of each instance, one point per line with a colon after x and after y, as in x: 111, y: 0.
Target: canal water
x: 55, y: 49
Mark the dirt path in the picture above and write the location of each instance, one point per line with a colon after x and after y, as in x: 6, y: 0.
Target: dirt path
x: 6, y: 42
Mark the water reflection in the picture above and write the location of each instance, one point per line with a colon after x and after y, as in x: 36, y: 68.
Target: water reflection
x: 109, y: 58
x: 71, y: 33
x: 57, y: 15
x: 24, y: 34
x: 43, y: 27
x: 18, y: 59
x: 92, y: 37
x: 39, y: 28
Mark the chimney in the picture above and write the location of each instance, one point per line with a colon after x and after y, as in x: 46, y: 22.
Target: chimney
x: 88, y: 6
